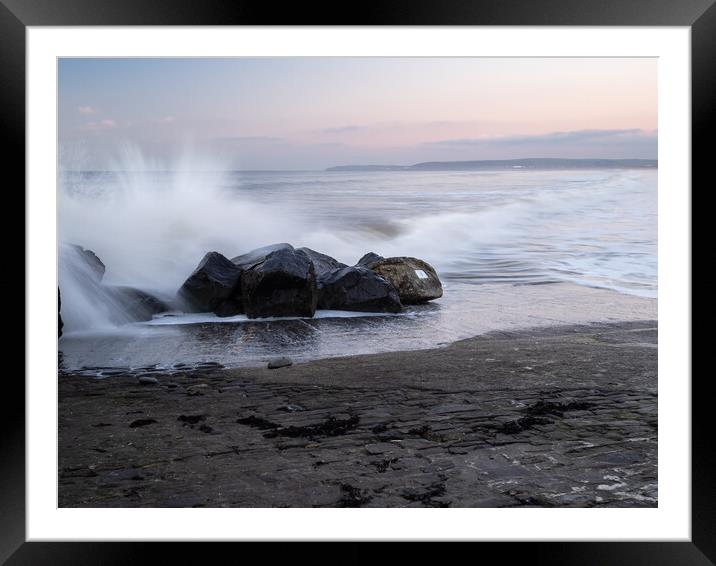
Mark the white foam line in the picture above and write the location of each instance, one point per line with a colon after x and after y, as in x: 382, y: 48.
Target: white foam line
x: 176, y: 319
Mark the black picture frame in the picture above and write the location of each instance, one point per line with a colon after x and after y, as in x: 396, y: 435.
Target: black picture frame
x: 17, y: 15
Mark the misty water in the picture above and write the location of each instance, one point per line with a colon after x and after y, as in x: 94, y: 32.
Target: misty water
x: 513, y: 248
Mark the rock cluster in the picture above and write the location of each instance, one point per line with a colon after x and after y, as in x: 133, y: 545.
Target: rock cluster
x: 280, y: 280
x: 415, y: 280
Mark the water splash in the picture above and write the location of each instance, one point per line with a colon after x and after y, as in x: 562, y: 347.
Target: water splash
x: 152, y: 221
x: 87, y: 304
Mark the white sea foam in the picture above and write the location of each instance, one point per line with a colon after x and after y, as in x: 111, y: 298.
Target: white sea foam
x: 173, y: 319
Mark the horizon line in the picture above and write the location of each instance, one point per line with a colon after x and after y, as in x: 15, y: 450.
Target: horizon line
x: 397, y: 166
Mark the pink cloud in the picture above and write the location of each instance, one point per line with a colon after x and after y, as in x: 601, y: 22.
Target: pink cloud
x: 87, y: 110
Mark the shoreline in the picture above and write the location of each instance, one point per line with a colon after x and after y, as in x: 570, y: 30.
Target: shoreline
x: 464, y: 312
x: 550, y: 416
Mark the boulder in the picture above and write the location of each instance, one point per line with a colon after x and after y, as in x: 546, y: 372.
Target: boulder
x: 137, y: 305
x: 282, y: 283
x: 232, y: 306
x: 357, y: 289
x: 367, y: 259
x: 258, y: 255
x: 321, y: 262
x: 214, y: 286
x: 415, y: 280
x: 84, y: 271
x: 96, y: 268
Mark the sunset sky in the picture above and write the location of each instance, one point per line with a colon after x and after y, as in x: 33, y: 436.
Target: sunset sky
x: 313, y: 113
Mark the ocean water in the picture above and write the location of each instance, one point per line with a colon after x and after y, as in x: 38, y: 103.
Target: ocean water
x: 595, y: 228
x: 491, y: 235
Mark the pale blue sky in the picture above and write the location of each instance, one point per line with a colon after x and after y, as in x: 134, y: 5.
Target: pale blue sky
x: 312, y: 113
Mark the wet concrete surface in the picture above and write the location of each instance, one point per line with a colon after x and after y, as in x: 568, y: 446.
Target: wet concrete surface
x: 560, y: 416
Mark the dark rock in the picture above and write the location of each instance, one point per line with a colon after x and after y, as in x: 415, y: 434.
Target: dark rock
x: 415, y: 280
x: 283, y: 283
x: 367, y: 259
x: 322, y: 263
x: 138, y: 305
x: 231, y: 306
x: 96, y: 267
x: 357, y: 289
x: 213, y: 286
x: 258, y: 255
x: 280, y: 363
x: 147, y: 380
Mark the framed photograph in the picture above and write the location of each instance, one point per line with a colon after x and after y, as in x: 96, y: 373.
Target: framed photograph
x: 424, y: 275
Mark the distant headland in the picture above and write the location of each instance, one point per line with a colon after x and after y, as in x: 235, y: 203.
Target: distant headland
x: 501, y: 164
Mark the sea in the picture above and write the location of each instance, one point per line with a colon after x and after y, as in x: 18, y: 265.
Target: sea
x: 514, y: 249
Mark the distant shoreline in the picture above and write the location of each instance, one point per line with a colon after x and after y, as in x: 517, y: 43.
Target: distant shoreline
x: 533, y: 164
x: 509, y: 164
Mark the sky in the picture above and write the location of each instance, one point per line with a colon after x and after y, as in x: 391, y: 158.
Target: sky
x: 297, y: 113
